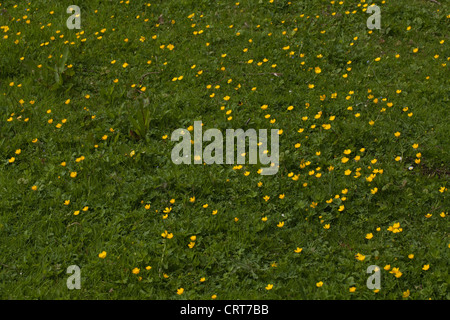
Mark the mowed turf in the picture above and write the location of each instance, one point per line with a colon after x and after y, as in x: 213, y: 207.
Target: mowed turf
x: 86, y: 176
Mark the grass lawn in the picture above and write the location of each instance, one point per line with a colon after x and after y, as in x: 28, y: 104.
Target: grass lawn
x: 86, y: 176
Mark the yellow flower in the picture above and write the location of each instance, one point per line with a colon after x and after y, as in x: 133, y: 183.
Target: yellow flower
x: 280, y: 224
x: 213, y: 296
x: 136, y: 271
x: 406, y: 294
x: 167, y: 210
x: 73, y: 174
x: 203, y: 279
x: 12, y: 160
x: 352, y: 289
x: 298, y: 250
x: 180, y: 291
x: 360, y: 257
x: 369, y: 236
x: 192, y: 199
x: 34, y: 188
x: 319, y: 284
x: 426, y: 267
x: 269, y: 286
x: 102, y: 255
x: 148, y: 267
x: 411, y: 256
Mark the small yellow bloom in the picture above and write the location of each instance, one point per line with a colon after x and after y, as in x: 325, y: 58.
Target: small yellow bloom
x: 102, y: 255
x: 406, y: 294
x: 269, y: 286
x: 360, y: 257
x: 180, y: 291
x: 136, y: 271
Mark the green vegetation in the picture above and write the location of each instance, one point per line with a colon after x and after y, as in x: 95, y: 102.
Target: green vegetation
x: 86, y: 176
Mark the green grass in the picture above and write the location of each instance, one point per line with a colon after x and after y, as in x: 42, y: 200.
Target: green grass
x: 127, y: 162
